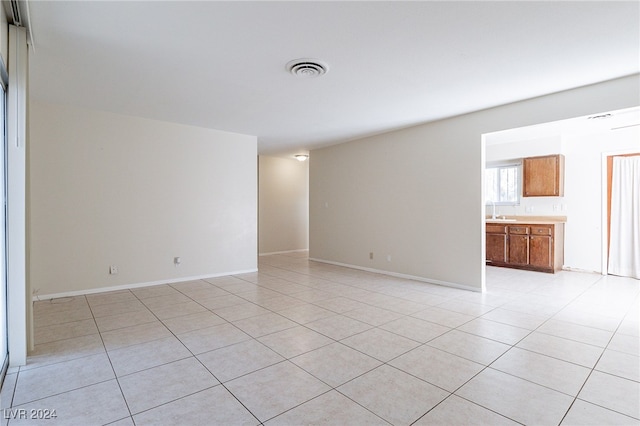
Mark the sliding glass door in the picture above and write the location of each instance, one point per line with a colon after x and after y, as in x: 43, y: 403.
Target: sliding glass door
x: 4, y: 352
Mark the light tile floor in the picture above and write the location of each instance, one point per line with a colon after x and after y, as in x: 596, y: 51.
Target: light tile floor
x: 302, y: 342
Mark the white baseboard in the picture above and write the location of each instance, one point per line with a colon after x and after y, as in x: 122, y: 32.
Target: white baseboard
x: 136, y: 285
x: 586, y: 271
x: 399, y: 275
x: 282, y: 252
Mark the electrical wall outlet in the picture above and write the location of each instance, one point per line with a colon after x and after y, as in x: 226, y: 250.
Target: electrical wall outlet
x: 113, y: 270
x: 371, y: 255
x: 177, y: 261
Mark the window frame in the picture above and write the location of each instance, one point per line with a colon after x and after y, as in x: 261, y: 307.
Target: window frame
x: 505, y: 165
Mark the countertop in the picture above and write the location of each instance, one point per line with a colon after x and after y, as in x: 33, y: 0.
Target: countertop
x: 533, y: 220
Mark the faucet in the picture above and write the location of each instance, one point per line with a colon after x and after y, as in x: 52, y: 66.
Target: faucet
x: 493, y: 216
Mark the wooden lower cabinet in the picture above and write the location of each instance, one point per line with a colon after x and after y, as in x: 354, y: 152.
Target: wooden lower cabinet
x: 526, y: 246
x: 496, y: 243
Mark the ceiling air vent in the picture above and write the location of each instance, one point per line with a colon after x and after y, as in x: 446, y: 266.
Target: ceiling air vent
x: 307, y: 67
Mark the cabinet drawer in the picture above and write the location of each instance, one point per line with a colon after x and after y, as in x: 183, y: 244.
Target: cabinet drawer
x: 519, y: 230
x: 496, y: 229
x: 541, y: 230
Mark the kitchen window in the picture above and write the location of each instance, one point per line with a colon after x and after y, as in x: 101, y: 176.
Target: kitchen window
x: 502, y: 183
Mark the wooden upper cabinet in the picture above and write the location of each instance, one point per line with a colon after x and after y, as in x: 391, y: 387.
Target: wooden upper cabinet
x: 543, y: 176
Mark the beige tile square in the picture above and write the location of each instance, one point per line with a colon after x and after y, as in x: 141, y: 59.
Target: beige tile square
x: 53, y: 379
x: 214, y: 406
x: 468, y: 308
x: 264, y: 324
x: 620, y: 364
x: 439, y: 368
x: 443, y: 317
x: 515, y: 398
x: 159, y: 385
x: 134, y: 335
x: 495, y: 331
x: 208, y: 339
x: 203, y: 293
x: 260, y: 294
x: 340, y: 305
x: 177, y: 310
x: 167, y: 300
x: 586, y: 318
x: 239, y: 359
x: 238, y: 312
x: 457, y: 411
x: 279, y: 303
x: 373, y: 315
x: 240, y: 287
x: 220, y: 302
x: 154, y: 291
x: 276, y: 389
x: 338, y: 326
x: 566, y: 350
x: 625, y: 343
x: 313, y: 295
x: 107, y: 405
x: 469, y: 346
x: 64, y: 350
x: 114, y: 322
x: 62, y: 316
x: 68, y: 330
x: 307, y: 313
x: 194, y: 285
x: 515, y: 318
x: 583, y: 413
x: 110, y: 297
x: 118, y: 308
x: 331, y: 408
x: 380, y: 344
x: 614, y: 393
x: 579, y: 333
x: 630, y: 325
x: 415, y: 329
x: 295, y: 341
x: 335, y: 364
x: 546, y: 371
x: 197, y: 321
x: 127, y: 421
x: 404, y: 307
x: 139, y: 357
x: 409, y: 399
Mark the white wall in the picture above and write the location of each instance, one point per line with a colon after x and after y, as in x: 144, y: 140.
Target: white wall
x: 283, y: 219
x: 416, y: 194
x: 108, y: 189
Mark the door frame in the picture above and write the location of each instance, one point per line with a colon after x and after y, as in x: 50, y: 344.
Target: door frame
x: 606, y: 201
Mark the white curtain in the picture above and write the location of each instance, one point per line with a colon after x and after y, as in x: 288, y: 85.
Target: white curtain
x: 624, y: 250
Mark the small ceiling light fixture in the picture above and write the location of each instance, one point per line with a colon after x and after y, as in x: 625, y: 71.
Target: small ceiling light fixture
x: 301, y: 157
x: 307, y: 67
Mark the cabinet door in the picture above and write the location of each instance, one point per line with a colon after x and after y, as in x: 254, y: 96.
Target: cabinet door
x: 497, y: 248
x: 518, y: 249
x: 543, y: 176
x: 541, y: 251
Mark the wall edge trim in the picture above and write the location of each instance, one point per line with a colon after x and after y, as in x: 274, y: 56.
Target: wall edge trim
x: 283, y: 252
x: 137, y: 285
x: 399, y: 275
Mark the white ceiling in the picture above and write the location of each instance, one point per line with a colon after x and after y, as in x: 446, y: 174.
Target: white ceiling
x: 392, y: 64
